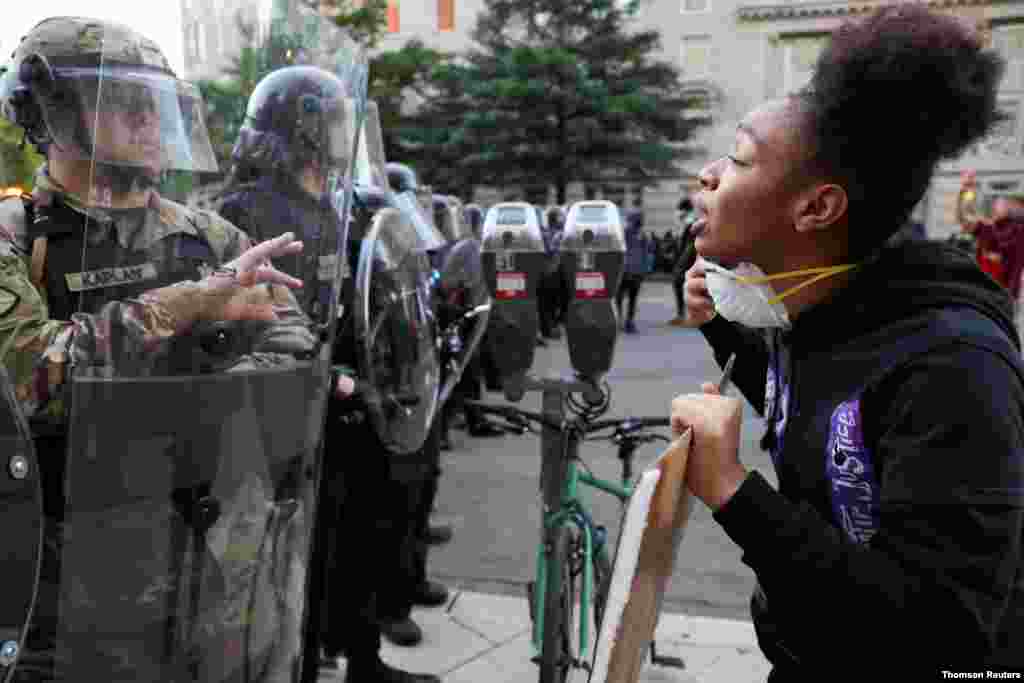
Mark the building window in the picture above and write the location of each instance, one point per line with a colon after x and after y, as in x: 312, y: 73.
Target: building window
x: 798, y: 57
x: 1008, y: 40
x: 445, y: 15
x: 691, y: 6
x: 394, y: 26
x: 695, y: 56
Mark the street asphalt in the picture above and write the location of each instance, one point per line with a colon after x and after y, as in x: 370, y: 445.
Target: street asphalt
x: 489, y: 487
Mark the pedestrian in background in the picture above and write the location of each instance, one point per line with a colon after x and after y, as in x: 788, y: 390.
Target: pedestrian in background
x: 636, y: 268
x: 890, y: 377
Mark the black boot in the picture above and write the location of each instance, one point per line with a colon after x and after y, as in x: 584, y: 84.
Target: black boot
x: 379, y: 672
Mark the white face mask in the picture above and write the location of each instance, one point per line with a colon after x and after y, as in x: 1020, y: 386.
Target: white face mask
x: 744, y: 302
x: 743, y: 295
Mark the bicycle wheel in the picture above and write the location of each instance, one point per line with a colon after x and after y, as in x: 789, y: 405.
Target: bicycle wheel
x: 559, y: 599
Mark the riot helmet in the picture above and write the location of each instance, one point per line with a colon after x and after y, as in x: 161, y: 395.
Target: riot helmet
x: 448, y: 218
x: 99, y: 91
x: 556, y: 218
x: 297, y: 116
x: 416, y: 203
x: 401, y: 177
x: 473, y: 215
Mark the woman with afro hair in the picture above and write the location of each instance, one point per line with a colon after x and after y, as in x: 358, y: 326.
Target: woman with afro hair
x: 888, y: 373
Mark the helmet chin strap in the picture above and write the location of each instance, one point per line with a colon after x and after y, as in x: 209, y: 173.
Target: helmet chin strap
x: 126, y: 179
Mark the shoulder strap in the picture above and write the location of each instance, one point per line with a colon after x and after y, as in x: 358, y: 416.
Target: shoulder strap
x: 37, y: 269
x: 38, y: 265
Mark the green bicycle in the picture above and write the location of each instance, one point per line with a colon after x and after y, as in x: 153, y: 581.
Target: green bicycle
x: 573, y: 559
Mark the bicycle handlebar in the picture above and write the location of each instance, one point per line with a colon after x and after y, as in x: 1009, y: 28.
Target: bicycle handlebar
x: 627, y: 424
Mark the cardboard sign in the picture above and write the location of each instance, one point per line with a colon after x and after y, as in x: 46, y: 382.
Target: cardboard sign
x: 653, y: 529
x: 511, y: 286
x: 591, y: 285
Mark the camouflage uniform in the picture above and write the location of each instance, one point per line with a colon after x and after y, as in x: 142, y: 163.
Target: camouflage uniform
x: 39, y: 350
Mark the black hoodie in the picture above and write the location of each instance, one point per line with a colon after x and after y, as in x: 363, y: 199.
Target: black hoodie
x: 895, y: 415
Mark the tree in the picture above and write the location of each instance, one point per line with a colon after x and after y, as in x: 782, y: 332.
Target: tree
x: 364, y: 20
x: 18, y: 159
x: 400, y: 79
x: 552, y: 92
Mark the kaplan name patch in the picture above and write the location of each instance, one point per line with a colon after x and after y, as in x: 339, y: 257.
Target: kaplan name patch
x: 110, y: 277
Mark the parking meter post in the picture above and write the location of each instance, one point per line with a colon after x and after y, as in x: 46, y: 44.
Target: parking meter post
x: 553, y: 465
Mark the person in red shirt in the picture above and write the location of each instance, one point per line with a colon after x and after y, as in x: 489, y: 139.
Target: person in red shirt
x: 1000, y: 242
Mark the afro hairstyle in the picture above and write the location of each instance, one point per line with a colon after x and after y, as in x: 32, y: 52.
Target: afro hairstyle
x: 890, y: 96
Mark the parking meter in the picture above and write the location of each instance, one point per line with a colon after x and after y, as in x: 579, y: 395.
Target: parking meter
x: 593, y: 255
x: 513, y: 264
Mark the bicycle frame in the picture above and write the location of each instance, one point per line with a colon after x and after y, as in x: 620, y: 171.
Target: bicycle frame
x: 561, y: 479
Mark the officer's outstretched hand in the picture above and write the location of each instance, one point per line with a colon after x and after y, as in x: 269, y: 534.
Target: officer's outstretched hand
x: 714, y: 471
x: 231, y: 293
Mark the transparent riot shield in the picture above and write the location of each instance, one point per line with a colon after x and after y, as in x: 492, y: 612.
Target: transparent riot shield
x: 416, y: 203
x: 464, y: 308
x: 21, y: 512
x: 396, y: 332
x: 199, y: 363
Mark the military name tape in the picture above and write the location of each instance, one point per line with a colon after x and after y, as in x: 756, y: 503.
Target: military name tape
x: 110, y: 277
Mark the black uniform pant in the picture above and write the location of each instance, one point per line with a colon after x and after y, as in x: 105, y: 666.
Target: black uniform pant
x: 367, y: 538
x: 630, y: 289
x: 425, y: 490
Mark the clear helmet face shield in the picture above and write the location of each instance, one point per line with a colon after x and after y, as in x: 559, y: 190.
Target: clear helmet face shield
x: 129, y: 116
x: 371, y: 165
x: 191, y: 457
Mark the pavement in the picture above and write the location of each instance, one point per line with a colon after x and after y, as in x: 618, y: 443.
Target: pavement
x: 480, y: 637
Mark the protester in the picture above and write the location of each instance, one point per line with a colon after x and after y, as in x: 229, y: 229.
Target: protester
x: 999, y: 241
x: 890, y: 377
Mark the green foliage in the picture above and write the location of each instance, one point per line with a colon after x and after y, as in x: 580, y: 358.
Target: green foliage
x: 553, y: 92
x: 18, y: 163
x: 397, y: 76
x: 366, y: 22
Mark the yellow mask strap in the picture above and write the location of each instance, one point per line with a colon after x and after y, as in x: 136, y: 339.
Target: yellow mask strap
x: 819, y: 274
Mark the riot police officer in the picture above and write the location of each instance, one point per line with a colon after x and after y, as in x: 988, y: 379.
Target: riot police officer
x: 101, y: 275
x: 290, y: 146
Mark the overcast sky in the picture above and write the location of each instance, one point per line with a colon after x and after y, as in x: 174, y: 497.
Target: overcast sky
x: 159, y: 20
